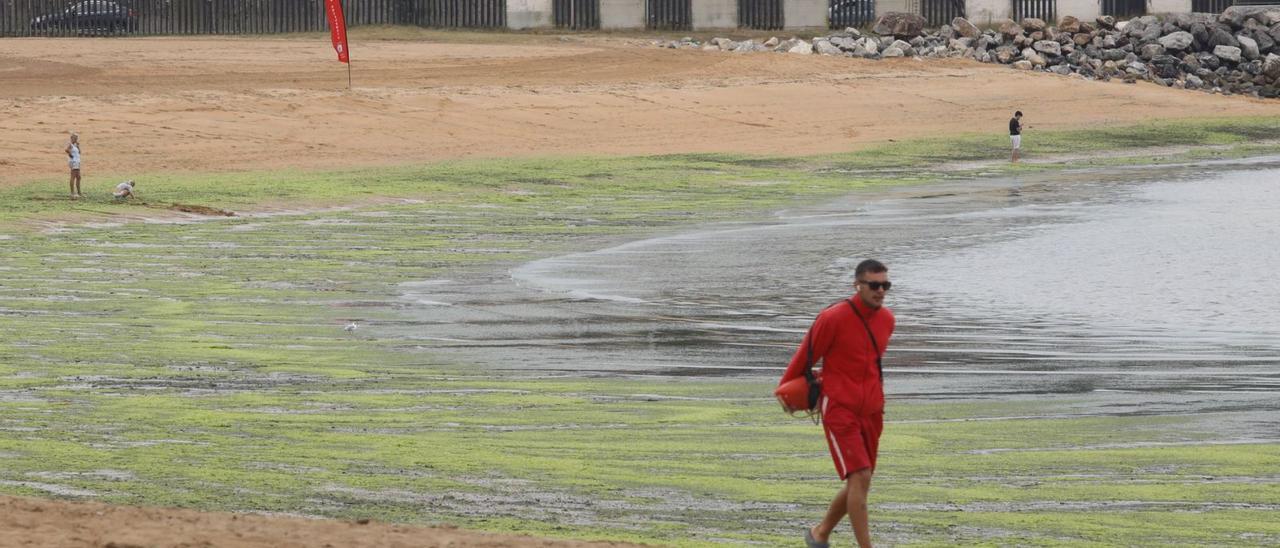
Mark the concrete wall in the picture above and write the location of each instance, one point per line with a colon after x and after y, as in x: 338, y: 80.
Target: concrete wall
x: 1084, y: 10
x: 715, y: 14
x: 529, y: 14
x: 803, y: 14
x: 1169, y: 6
x: 985, y: 12
x: 621, y: 14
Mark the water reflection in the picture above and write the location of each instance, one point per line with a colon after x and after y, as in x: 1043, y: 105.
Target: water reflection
x: 1146, y: 280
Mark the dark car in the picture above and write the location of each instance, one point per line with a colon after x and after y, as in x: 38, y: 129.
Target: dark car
x: 97, y: 15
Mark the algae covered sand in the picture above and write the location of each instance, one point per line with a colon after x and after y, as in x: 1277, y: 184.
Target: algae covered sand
x: 157, y: 358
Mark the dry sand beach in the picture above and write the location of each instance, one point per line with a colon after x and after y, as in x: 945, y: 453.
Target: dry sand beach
x: 214, y: 104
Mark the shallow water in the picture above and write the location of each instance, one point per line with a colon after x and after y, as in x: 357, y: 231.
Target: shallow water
x: 1141, y: 280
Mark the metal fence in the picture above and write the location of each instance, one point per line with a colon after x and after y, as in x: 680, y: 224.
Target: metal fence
x: 1046, y: 10
x: 159, y: 17
x: 668, y: 14
x: 576, y: 14
x: 851, y: 13
x: 941, y: 12
x: 1210, y: 6
x: 1124, y: 9
x: 760, y: 14
x: 459, y: 13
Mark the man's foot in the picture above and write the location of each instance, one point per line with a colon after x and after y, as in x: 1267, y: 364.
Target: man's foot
x: 811, y: 542
x: 75, y: 196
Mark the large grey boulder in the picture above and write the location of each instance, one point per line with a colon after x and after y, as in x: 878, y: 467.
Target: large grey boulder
x: 1132, y: 27
x: 1177, y: 41
x: 1106, y: 22
x: 1047, y: 46
x: 1033, y: 25
x: 871, y: 45
x: 1009, y: 28
x: 907, y: 49
x: 1227, y: 53
x: 892, y: 52
x: 824, y: 47
x: 1236, y: 15
x: 1200, y: 32
x: 1022, y: 65
x: 802, y: 48
x: 966, y: 29
x: 1248, y: 47
x: 901, y: 25
x: 1271, y: 68
x: 1035, y: 58
x: 1150, y: 51
x: 1152, y: 33
x: 1219, y: 36
x: 1069, y: 24
x: 1266, y: 44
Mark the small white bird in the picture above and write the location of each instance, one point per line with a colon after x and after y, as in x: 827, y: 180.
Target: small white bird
x: 351, y: 327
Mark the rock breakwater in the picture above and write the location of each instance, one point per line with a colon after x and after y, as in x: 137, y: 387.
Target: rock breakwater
x: 1235, y: 52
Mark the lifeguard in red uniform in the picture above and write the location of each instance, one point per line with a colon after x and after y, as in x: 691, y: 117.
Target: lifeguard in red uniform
x: 850, y: 338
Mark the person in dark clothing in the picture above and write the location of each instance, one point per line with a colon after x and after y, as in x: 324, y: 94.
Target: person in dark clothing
x: 1015, y: 134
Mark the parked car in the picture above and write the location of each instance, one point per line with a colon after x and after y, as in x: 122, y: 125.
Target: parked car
x: 100, y: 15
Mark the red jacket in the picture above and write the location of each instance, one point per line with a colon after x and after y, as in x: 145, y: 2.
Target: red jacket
x: 850, y: 377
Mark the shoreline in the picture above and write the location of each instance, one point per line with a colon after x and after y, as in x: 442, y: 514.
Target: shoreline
x: 189, y: 196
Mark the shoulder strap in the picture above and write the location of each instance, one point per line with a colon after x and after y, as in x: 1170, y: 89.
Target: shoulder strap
x: 870, y: 335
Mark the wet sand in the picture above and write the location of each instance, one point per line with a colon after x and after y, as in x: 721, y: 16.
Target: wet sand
x: 732, y: 299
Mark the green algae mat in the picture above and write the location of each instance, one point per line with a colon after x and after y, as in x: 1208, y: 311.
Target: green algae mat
x: 151, y: 357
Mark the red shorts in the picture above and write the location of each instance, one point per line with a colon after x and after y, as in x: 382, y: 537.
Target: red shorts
x: 854, y: 440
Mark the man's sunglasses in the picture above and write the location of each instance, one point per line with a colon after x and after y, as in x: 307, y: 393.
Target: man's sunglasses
x: 877, y: 286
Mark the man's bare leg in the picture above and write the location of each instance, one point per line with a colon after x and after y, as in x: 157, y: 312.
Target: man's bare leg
x: 835, y: 514
x: 1015, y: 155
x: 858, y: 486
x: 852, y: 496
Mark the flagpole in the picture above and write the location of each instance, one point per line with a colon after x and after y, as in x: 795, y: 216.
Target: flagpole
x: 348, y: 46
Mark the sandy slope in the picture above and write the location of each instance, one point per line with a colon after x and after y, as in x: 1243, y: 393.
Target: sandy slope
x: 33, y: 522
x: 202, y: 104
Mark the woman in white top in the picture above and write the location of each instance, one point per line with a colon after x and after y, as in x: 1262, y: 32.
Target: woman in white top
x: 73, y: 154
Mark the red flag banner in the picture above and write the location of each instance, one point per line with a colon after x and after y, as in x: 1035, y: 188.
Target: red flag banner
x: 338, y: 28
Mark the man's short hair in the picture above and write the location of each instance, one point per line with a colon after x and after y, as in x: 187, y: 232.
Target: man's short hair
x: 1018, y: 113
x: 870, y: 265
